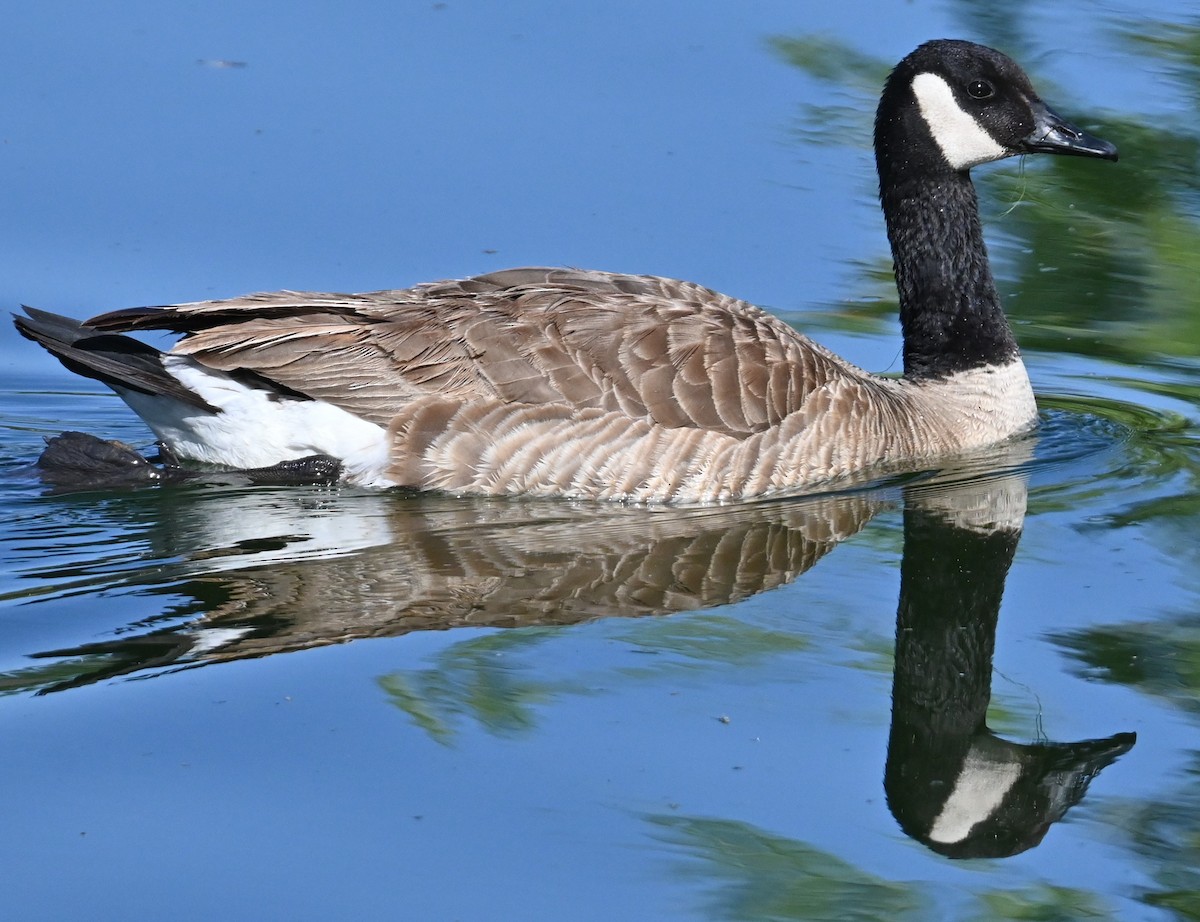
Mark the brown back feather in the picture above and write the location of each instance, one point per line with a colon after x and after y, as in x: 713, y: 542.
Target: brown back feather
x: 674, y: 353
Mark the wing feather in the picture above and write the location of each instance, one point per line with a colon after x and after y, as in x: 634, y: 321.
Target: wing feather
x: 672, y: 353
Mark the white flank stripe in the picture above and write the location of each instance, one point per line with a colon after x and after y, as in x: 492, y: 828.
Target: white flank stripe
x: 253, y: 430
x: 206, y: 640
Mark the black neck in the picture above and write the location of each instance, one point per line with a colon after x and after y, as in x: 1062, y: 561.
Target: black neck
x: 950, y: 310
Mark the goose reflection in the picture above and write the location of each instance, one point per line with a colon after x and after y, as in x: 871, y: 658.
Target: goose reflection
x: 276, y: 571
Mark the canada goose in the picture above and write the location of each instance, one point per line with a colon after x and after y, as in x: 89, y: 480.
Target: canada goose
x: 563, y: 382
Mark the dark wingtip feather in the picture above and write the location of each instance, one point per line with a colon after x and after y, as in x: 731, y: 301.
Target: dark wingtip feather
x: 118, y: 361
x: 137, y: 318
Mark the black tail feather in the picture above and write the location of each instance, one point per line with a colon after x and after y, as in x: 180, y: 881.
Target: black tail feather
x: 121, y: 362
x: 171, y: 317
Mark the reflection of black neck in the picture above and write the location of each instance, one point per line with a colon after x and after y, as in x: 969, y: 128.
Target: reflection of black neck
x: 950, y: 782
x: 951, y: 581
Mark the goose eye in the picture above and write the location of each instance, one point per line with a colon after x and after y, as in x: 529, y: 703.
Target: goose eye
x: 981, y: 89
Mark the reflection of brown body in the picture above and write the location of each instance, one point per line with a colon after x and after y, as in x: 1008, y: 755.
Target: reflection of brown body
x: 390, y: 565
x: 376, y: 565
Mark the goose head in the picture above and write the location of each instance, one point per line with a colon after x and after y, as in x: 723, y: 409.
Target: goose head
x: 952, y: 105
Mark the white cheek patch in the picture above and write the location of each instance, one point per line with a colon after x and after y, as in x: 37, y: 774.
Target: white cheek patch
x: 963, y: 141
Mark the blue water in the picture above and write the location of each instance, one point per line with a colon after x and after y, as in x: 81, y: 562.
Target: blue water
x: 249, y: 702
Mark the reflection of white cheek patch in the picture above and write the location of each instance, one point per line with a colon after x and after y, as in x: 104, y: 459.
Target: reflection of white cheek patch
x: 977, y: 793
x: 963, y: 141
